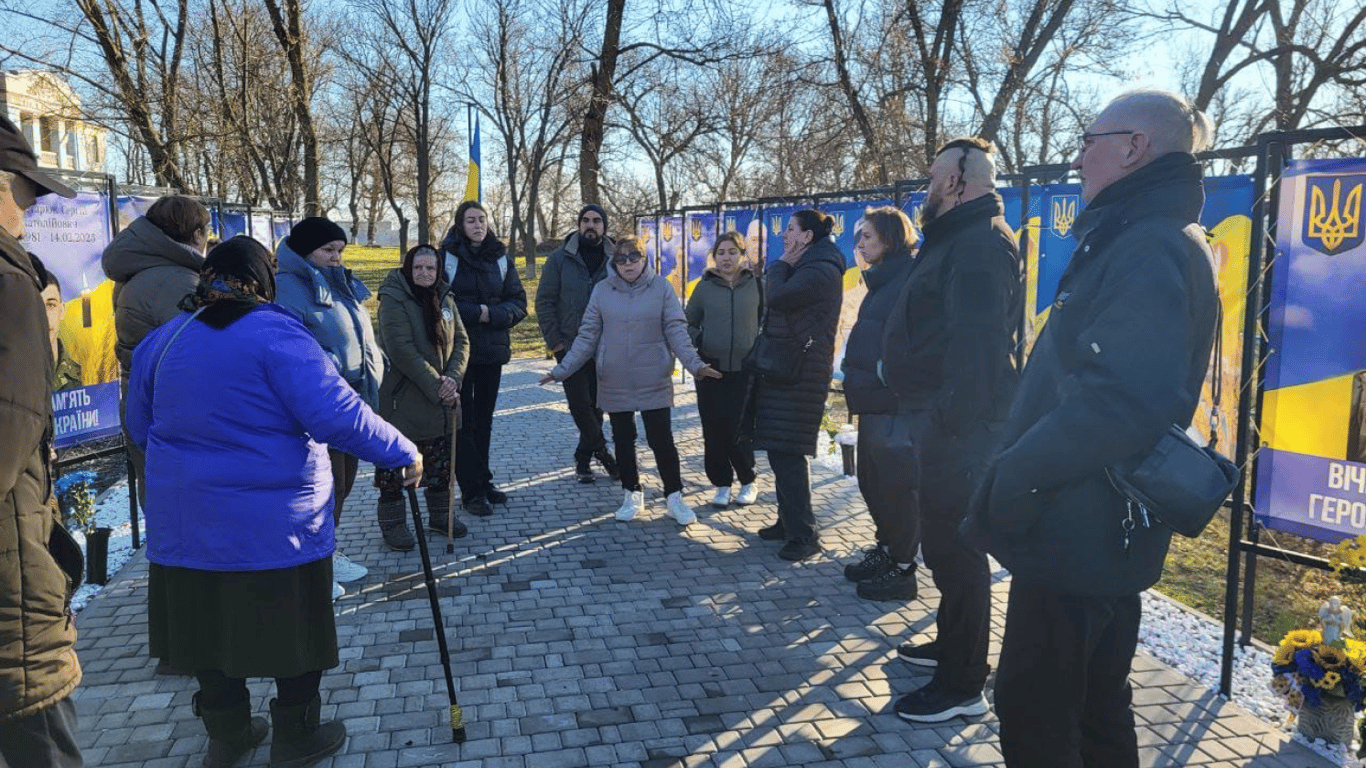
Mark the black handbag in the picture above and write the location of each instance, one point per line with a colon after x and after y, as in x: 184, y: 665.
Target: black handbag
x: 778, y: 360
x: 1180, y: 482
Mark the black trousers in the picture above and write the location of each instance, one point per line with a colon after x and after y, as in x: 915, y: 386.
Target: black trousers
x: 217, y: 690
x: 726, y: 443
x: 1063, y: 692
x: 659, y: 436
x: 581, y: 391
x: 478, y: 400
x: 46, y: 737
x: 887, y: 473
x: 792, y: 482
x: 344, y: 469
x: 948, y: 466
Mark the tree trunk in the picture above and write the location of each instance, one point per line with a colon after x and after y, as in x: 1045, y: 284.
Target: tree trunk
x: 601, y: 82
x: 289, y: 33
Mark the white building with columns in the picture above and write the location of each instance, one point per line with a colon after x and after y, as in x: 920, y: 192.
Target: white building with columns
x: 49, y: 114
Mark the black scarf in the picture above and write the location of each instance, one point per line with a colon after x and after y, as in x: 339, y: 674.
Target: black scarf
x: 237, y: 277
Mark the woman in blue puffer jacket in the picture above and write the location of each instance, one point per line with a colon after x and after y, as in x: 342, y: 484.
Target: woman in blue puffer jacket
x: 233, y: 405
x: 317, y: 289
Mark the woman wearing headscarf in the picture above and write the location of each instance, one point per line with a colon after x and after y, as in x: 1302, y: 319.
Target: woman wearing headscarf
x: 316, y: 288
x: 802, y: 290
x: 723, y: 314
x: 489, y: 296
x: 233, y: 404
x: 427, y: 348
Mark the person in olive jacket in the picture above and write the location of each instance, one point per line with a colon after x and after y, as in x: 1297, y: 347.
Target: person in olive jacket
x: 949, y: 354
x: 489, y: 295
x: 567, y: 280
x: 38, y: 665
x: 886, y: 453
x: 803, y: 294
x: 428, y: 351
x: 1121, y: 359
x: 724, y: 312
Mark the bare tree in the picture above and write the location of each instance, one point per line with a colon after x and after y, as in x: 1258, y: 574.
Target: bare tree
x: 665, y: 119
x: 288, y: 27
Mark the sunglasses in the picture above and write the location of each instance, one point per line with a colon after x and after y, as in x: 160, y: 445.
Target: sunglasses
x: 627, y: 258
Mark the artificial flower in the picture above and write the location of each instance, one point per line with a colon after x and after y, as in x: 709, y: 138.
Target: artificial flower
x: 1329, y: 681
x: 1328, y: 657
x: 1303, y: 638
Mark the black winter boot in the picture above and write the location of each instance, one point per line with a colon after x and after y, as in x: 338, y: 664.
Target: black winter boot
x: 394, y: 526
x: 233, y: 732
x: 608, y: 462
x: 438, y: 507
x: 299, y: 739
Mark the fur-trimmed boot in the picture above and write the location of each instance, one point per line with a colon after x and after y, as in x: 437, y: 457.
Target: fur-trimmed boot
x: 393, y: 524
x: 438, y: 507
x: 300, y: 739
x: 233, y: 732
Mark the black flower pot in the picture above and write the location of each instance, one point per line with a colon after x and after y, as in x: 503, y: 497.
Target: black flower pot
x: 97, y: 556
x: 850, y: 465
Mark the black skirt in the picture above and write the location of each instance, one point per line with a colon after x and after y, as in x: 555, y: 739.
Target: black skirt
x: 276, y: 623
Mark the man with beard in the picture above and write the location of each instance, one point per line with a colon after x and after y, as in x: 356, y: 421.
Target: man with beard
x: 1121, y: 359
x: 567, y: 280
x: 948, y: 354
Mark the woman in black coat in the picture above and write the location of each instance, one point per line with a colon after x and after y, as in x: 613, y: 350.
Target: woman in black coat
x: 803, y: 294
x: 489, y: 296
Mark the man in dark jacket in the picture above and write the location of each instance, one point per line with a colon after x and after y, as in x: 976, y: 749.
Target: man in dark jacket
x: 949, y: 355
x: 1121, y: 359
x: 38, y: 665
x: 567, y: 279
x: 488, y: 294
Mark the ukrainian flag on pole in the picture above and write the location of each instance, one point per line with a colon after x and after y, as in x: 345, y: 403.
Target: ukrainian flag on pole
x: 472, y: 185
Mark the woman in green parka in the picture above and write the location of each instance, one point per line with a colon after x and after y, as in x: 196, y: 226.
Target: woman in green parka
x: 421, y: 332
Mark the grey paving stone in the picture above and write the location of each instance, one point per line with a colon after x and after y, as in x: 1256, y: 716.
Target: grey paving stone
x: 575, y: 640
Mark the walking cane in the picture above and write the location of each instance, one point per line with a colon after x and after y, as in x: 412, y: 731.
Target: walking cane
x: 451, y: 484
x: 457, y: 717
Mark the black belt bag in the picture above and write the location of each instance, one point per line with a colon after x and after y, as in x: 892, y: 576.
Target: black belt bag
x: 1179, y: 482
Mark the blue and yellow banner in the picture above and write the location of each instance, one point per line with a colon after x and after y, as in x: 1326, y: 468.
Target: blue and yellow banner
x: 1311, y: 472
x: 699, y: 231
x: 747, y: 222
x: 775, y: 221
x: 671, y: 254
x: 473, y: 182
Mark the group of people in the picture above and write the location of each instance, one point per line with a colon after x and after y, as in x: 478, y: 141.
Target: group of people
x: 254, y: 385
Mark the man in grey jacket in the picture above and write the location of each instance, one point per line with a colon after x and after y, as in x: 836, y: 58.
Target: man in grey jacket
x: 567, y: 280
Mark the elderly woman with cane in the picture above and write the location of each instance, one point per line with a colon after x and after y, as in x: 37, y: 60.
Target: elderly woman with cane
x: 421, y: 332
x: 235, y: 405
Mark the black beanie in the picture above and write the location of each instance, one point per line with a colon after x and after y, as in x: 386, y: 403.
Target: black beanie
x: 593, y: 207
x: 313, y: 233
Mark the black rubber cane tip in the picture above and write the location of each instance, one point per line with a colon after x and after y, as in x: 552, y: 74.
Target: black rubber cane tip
x: 458, y: 735
x: 450, y: 549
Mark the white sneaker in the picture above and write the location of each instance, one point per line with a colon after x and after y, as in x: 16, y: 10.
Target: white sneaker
x: 722, y: 498
x: 748, y: 495
x: 337, y: 590
x: 632, y: 504
x: 345, y: 569
x: 680, y: 511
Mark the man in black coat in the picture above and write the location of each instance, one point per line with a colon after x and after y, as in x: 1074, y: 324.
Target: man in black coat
x: 1122, y: 358
x: 949, y: 355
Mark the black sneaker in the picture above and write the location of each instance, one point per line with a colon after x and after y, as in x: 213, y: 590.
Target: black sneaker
x: 496, y: 496
x: 479, y: 507
x: 894, y: 584
x: 584, y: 474
x: 797, y: 550
x: 774, y: 532
x: 924, y: 655
x: 932, y: 705
x: 609, y: 464
x: 875, y: 562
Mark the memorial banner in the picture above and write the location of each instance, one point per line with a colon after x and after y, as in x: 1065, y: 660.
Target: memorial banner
x: 747, y: 222
x: 700, y: 229
x: 647, y: 230
x: 133, y: 206
x: 261, y: 230
x: 70, y: 237
x: 775, y: 221
x: 232, y: 222
x: 280, y: 225
x: 671, y: 251
x: 1311, y: 471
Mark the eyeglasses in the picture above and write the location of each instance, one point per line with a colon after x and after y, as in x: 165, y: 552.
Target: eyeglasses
x: 1088, y: 138
x: 627, y: 258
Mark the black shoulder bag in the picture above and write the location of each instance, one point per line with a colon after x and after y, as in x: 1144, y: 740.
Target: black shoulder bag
x: 1180, y: 482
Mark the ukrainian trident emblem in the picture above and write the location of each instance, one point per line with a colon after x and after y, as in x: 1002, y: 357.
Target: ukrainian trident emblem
x: 838, y: 228
x: 730, y: 223
x: 775, y: 223
x: 695, y: 230
x: 1064, y: 214
x: 667, y: 231
x: 646, y: 233
x: 1333, y: 224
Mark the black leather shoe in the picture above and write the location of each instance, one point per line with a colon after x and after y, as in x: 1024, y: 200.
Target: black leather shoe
x: 797, y: 550
x: 875, y: 562
x: 774, y: 532
x: 496, y: 496
x: 479, y: 507
x: 609, y: 464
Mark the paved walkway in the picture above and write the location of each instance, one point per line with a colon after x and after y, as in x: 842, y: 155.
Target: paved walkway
x: 580, y: 641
